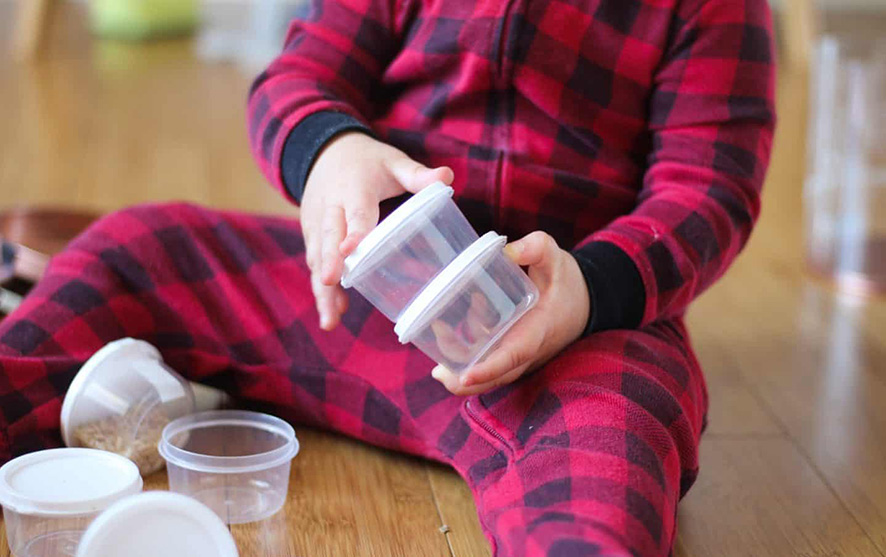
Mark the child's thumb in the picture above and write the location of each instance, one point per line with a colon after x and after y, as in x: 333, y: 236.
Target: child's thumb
x: 535, y: 250
x: 414, y: 176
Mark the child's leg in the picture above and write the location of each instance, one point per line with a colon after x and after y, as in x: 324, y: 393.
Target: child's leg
x: 227, y: 300
x: 594, y: 450
x: 590, y: 451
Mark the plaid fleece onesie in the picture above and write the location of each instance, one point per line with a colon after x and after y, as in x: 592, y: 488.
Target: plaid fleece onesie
x: 636, y: 132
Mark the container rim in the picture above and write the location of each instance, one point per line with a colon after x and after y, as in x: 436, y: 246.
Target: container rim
x: 124, y: 347
x: 15, y: 501
x: 415, y: 316
x: 199, y: 462
x: 389, y: 226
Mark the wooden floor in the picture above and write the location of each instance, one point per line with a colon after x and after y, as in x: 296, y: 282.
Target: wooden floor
x: 794, y: 461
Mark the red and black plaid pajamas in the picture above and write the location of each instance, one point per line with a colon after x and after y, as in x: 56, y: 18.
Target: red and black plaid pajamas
x: 636, y: 132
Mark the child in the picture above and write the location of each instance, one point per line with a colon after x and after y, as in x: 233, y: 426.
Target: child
x: 624, y: 142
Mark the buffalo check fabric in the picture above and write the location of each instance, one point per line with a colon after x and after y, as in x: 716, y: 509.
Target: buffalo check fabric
x: 587, y: 456
x: 636, y: 132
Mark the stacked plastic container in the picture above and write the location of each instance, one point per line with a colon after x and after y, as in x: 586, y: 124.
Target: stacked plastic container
x: 449, y: 292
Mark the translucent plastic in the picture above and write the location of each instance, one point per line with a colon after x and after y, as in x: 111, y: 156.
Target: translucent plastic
x: 465, y: 324
x: 50, y: 497
x: 404, y: 261
x: 36, y: 536
x: 122, y: 399
x: 234, y: 462
x: 845, y: 196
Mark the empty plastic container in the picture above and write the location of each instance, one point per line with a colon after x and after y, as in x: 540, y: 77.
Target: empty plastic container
x: 234, y: 462
x: 120, y: 401
x: 845, y: 192
x: 49, y: 498
x: 407, y: 249
x: 460, y: 316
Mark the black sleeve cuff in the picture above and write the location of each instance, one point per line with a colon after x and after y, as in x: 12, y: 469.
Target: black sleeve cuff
x: 618, y: 296
x: 305, y: 142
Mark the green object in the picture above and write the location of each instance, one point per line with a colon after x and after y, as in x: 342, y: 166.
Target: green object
x: 142, y: 19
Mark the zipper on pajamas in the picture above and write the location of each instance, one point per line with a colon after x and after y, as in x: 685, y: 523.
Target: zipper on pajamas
x: 503, y: 39
x: 477, y: 419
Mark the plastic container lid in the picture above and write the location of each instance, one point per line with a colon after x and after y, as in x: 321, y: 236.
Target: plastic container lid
x: 154, y: 524
x: 104, y: 368
x: 66, y: 482
x: 229, y: 464
x: 391, y: 225
x: 443, y: 288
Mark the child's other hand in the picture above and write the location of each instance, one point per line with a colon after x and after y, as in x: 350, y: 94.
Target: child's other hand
x: 340, y: 205
x: 554, y: 323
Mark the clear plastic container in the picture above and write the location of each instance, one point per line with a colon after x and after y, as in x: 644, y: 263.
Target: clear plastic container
x: 461, y: 315
x: 845, y: 190
x: 407, y: 249
x: 234, y: 462
x: 49, y: 498
x: 120, y: 401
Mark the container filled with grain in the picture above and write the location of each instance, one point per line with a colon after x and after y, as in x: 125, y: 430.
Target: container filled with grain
x: 121, y: 400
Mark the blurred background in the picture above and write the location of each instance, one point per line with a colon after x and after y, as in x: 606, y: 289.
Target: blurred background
x: 108, y: 103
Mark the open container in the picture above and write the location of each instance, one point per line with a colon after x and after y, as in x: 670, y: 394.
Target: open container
x: 460, y: 316
x: 121, y: 400
x: 235, y: 462
x: 50, y: 497
x: 407, y: 249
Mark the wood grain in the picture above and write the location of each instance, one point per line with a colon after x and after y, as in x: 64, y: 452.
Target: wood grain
x: 457, y: 513
x: 31, y: 23
x: 792, y: 462
x: 4, y: 545
x: 769, y: 502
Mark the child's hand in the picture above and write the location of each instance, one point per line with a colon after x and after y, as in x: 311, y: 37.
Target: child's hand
x: 352, y: 175
x: 554, y: 323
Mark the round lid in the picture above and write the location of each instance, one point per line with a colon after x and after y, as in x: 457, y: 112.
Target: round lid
x: 440, y: 290
x: 61, y: 482
x: 105, y: 367
x: 157, y: 523
x: 391, y: 225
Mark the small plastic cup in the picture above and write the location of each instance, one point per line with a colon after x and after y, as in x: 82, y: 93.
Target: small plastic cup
x: 408, y: 249
x: 49, y: 498
x: 120, y: 401
x: 234, y: 462
x: 461, y: 315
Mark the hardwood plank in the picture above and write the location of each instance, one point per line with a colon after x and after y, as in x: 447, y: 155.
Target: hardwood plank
x: 4, y: 544
x: 458, y: 513
x: 349, y: 499
x: 769, y: 502
x: 735, y: 410
x: 105, y: 125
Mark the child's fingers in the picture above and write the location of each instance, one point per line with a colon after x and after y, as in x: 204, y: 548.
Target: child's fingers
x: 361, y: 216
x: 333, y: 232
x: 325, y: 299
x: 518, y: 349
x: 414, y: 176
x: 454, y: 385
x: 538, y: 249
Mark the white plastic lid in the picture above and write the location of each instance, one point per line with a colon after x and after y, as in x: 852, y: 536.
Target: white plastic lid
x: 391, y: 225
x: 157, y: 523
x: 443, y: 287
x: 65, y: 482
x: 104, y: 367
